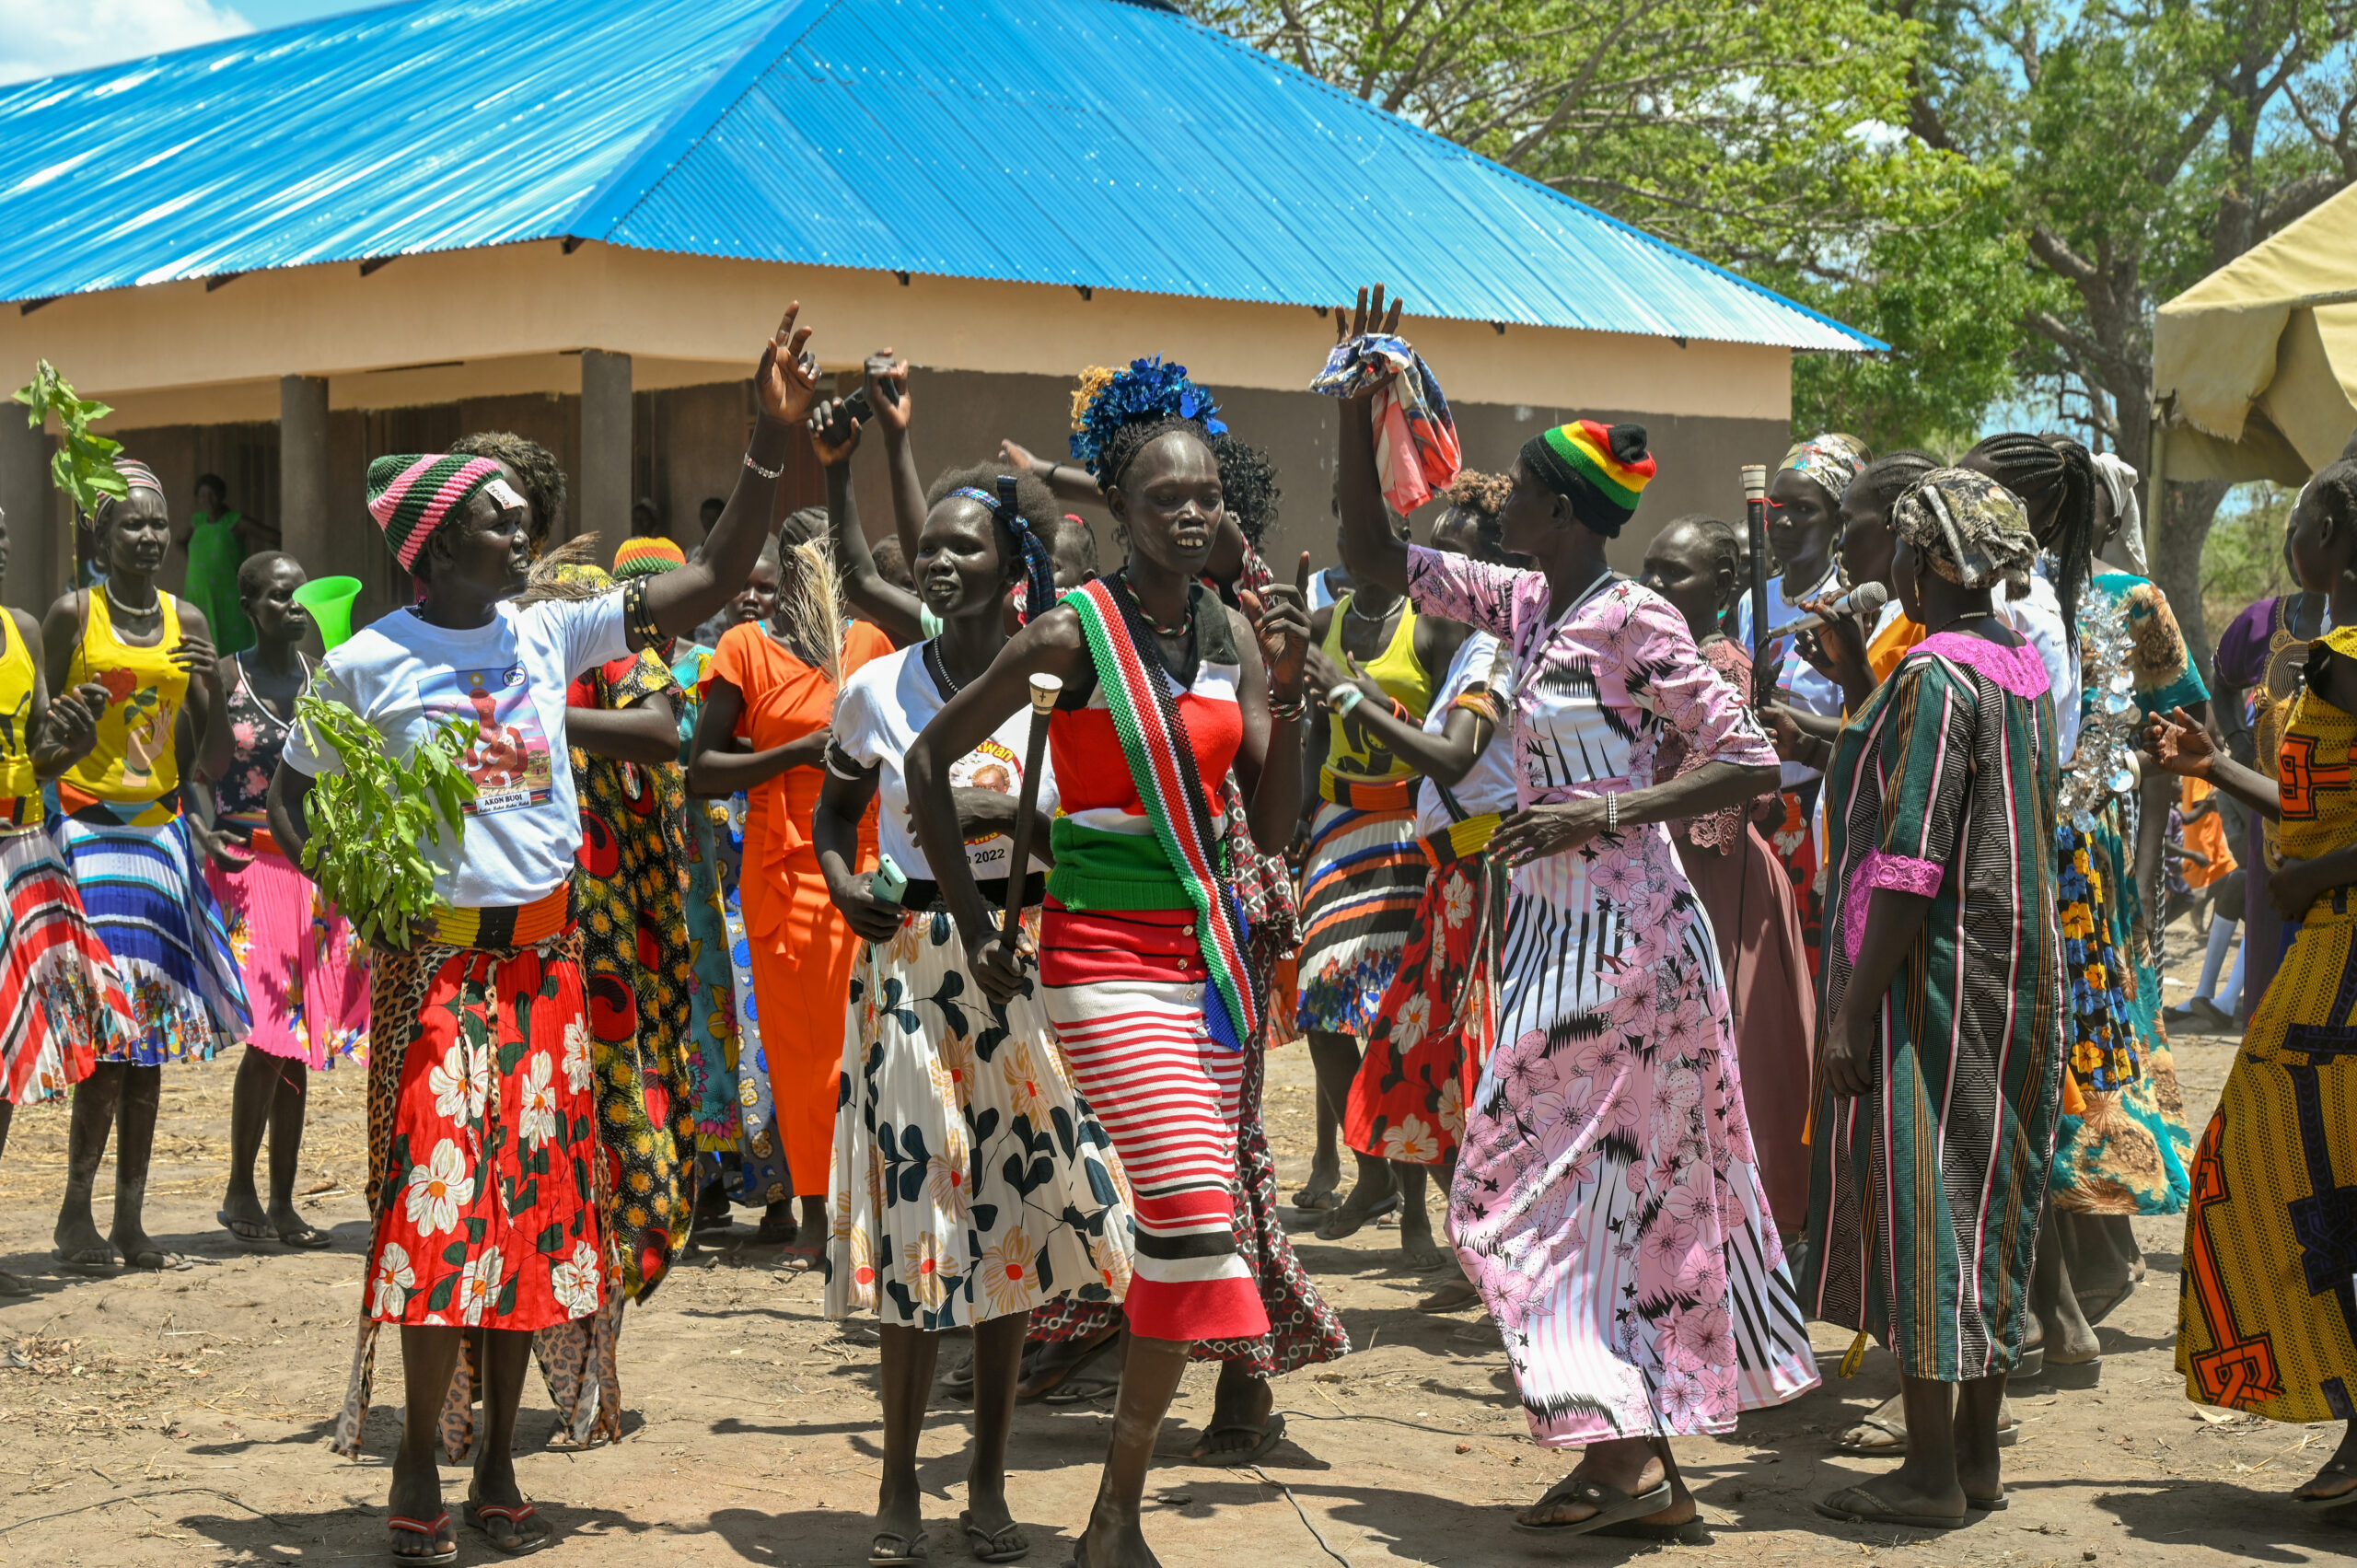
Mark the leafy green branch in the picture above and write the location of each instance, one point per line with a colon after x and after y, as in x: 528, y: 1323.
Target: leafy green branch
x: 84, y: 466
x: 369, y: 820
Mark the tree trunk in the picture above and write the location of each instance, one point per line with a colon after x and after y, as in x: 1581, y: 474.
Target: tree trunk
x: 2175, y: 558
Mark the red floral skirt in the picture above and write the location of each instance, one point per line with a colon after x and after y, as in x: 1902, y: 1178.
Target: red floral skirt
x: 1436, y: 1024
x: 482, y: 1135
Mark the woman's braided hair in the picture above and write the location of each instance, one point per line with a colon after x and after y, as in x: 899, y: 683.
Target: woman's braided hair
x: 2056, y: 480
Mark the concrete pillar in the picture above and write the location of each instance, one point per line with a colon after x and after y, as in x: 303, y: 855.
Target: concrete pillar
x: 601, y: 496
x: 40, y: 555
x: 303, y: 508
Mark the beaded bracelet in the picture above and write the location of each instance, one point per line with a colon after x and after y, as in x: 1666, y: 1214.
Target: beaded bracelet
x: 636, y: 617
x: 765, y: 473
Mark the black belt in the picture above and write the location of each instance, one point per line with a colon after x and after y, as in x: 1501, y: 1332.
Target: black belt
x: 924, y: 893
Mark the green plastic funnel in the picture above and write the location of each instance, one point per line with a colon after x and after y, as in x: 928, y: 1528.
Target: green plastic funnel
x: 328, y: 599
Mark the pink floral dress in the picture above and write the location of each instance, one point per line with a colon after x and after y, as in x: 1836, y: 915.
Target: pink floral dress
x: 1607, y: 1201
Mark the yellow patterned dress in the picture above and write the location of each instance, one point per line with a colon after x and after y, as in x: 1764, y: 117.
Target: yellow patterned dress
x: 2267, y: 1320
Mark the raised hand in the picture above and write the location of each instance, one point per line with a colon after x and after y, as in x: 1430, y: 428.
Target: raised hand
x: 2178, y: 744
x: 787, y: 378
x: 1020, y: 457
x: 1281, y: 622
x: 1368, y: 318
x: 882, y: 371
x: 821, y: 424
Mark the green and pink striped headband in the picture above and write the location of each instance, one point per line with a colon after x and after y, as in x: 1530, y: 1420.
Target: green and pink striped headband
x: 411, y: 495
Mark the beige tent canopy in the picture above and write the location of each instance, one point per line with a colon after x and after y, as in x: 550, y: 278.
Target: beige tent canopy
x: 2255, y: 367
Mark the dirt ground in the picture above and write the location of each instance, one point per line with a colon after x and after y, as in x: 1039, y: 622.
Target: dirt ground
x: 181, y: 1418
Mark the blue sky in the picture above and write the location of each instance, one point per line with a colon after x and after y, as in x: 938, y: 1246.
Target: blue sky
x: 41, y: 37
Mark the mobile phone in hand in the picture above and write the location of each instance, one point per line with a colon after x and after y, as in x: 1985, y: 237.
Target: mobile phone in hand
x: 888, y: 883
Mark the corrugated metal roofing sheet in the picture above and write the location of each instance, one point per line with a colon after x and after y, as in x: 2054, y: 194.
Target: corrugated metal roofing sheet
x: 1086, y: 142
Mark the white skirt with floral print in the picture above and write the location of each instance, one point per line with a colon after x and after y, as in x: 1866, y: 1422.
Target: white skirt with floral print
x: 969, y: 1180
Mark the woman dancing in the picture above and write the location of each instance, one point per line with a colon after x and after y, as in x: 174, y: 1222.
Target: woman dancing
x: 1607, y: 1203
x: 970, y: 1185
x: 1143, y: 965
x: 1939, y: 1081
x: 481, y: 1148
x: 2266, y: 1322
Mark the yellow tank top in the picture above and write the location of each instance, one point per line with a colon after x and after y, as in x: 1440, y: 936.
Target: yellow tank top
x: 1405, y: 680
x: 134, y: 762
x: 20, y: 791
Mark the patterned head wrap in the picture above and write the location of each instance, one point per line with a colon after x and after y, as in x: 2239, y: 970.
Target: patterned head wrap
x: 1971, y: 529
x: 1831, y: 459
x: 1601, y: 469
x: 646, y: 557
x: 2120, y: 483
x: 1039, y: 567
x: 411, y: 496
x: 135, y: 475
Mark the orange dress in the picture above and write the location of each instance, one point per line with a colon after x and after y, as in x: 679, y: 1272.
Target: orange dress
x: 801, y: 951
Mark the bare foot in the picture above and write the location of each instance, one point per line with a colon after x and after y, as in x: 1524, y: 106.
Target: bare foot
x: 79, y: 1245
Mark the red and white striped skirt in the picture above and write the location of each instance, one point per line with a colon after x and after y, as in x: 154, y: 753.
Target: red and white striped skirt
x: 1125, y: 992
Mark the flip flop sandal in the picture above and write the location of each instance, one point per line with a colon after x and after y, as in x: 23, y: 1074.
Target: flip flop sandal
x: 14, y: 1285
x: 1079, y: 1386
x: 959, y: 1381
x: 2337, y: 1500
x: 87, y: 1261
x: 1996, y: 1504
x: 1686, y: 1532
x: 2007, y: 1435
x: 2032, y: 1363
x: 1318, y: 1200
x: 1612, y: 1506
x: 1863, y: 1507
x: 1352, y: 1224
x: 433, y: 1532
x: 261, y: 1229
x: 514, y: 1513
x: 1007, y: 1544
x: 910, y: 1552
x: 310, y: 1238
x: 2087, y: 1373
x: 1266, y: 1437
x: 769, y: 1234
x: 1450, y: 1298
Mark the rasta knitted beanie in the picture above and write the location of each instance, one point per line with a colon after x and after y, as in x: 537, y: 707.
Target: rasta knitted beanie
x: 1601, y: 469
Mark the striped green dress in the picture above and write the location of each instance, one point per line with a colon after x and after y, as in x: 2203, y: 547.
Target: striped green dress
x: 1925, y: 1194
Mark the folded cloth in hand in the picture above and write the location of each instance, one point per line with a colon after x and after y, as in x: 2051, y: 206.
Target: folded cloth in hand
x: 1416, y: 454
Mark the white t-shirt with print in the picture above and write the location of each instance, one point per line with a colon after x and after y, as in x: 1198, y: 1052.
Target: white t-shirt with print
x: 1489, y: 784
x: 408, y: 677
x: 882, y: 708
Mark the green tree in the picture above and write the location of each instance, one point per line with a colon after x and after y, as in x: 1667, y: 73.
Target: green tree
x: 1768, y: 138
x: 2141, y: 144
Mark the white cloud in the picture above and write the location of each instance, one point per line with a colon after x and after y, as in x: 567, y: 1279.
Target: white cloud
x: 45, y: 38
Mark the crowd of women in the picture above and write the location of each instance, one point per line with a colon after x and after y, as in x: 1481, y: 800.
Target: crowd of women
x: 942, y: 896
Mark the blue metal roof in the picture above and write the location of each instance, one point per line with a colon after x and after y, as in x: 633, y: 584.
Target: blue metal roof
x: 1095, y: 142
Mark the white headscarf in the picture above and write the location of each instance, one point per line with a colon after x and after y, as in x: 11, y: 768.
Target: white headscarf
x: 2120, y: 481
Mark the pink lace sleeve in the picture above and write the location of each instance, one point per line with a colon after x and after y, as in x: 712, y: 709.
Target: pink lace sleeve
x: 1897, y: 872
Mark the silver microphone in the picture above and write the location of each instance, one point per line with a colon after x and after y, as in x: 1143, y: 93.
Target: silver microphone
x: 1864, y: 599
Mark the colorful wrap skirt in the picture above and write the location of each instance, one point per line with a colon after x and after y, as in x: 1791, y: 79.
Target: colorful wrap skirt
x: 1795, y: 843
x: 307, y: 975
x: 484, y: 1155
x: 2121, y: 1146
x: 62, y: 1004
x: 2268, y: 1319
x: 152, y: 908
x: 970, y: 1182
x: 762, y: 1178
x: 711, y: 1019
x: 1361, y: 884
x: 1436, y: 1024
x: 1125, y: 994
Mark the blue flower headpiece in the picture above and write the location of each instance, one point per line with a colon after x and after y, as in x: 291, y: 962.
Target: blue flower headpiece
x: 1108, y: 399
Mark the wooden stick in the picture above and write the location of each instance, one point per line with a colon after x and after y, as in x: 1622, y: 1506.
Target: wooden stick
x: 1755, y: 522
x: 1045, y: 690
